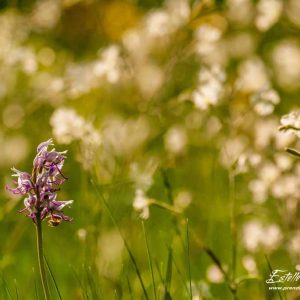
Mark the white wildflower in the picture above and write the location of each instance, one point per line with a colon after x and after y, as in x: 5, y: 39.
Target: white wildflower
x: 286, y: 62
x: 46, y: 14
x: 256, y: 236
x: 163, y: 22
x: 67, y: 125
x: 206, y: 37
x: 211, y: 87
x: 252, y: 75
x: 264, y: 101
x: 183, y: 199
x: 259, y: 190
x: 108, y: 66
x: 249, y: 264
x: 214, y: 274
x: 81, y: 234
x: 252, y: 235
x: 142, y: 175
x: 175, y: 140
x: 294, y: 243
x: 268, y: 13
x: 141, y: 204
x: 291, y: 123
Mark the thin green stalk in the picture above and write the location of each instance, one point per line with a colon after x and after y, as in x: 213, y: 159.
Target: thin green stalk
x: 129, y: 288
x: 233, y: 226
x: 149, y: 261
x: 169, y: 274
x: 271, y: 270
x: 231, y: 285
x: 124, y: 240
x: 39, y: 238
x: 233, y: 221
x: 188, y: 257
x: 53, y: 278
x: 181, y: 277
x: 165, y: 206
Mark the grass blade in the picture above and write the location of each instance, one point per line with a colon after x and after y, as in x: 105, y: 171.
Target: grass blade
x: 271, y: 270
x: 16, y: 290
x: 168, y: 275
x: 159, y: 272
x: 188, y: 258
x: 129, y: 288
x: 293, y: 152
x: 7, y: 289
x: 181, y: 277
x: 52, y: 277
x: 84, y: 292
x: 91, y: 283
x: 149, y: 261
x: 36, y: 291
x: 124, y: 240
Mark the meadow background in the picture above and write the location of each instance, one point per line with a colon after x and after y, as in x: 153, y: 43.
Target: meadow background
x: 169, y: 111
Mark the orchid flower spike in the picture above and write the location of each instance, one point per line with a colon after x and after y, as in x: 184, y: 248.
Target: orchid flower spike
x: 42, y: 185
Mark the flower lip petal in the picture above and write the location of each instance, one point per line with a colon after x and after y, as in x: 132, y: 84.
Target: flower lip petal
x: 44, y: 145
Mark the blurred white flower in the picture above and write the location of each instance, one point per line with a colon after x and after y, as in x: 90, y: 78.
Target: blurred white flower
x: 157, y: 24
x: 214, y: 274
x: 81, y: 234
x: 286, y: 186
x: 48, y: 88
x: 259, y: 190
x: 272, y: 237
x: 141, y: 204
x: 142, y: 175
x: 149, y: 78
x: 183, y: 199
x: 211, y: 87
x: 286, y: 62
x: 206, y: 38
x: 269, y: 172
x: 80, y: 79
x: 283, y: 161
x: 252, y: 235
x: 292, y: 119
x: 108, y: 65
x: 46, y: 14
x: 231, y: 150
x: 264, y: 132
x: 122, y: 137
x: 175, y: 140
x: 256, y: 236
x: 291, y: 123
x: 240, y: 12
x: 249, y: 264
x: 294, y: 243
x: 268, y: 13
x: 252, y: 75
x: 264, y: 101
x: 165, y: 21
x: 67, y: 125
x: 292, y: 10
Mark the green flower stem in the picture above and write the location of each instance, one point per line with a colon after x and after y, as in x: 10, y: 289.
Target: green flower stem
x: 39, y: 239
x: 164, y: 205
